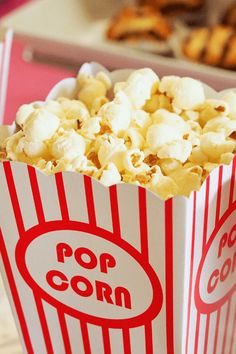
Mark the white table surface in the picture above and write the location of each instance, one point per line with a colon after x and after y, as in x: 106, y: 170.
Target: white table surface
x: 9, y: 341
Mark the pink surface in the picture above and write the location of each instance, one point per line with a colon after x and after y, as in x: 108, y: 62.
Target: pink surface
x: 29, y: 81
x: 9, y: 5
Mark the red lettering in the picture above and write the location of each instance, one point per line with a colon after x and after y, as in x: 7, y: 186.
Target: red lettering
x: 91, y: 263
x: 222, y: 244
x: 104, y: 292
x: 63, y: 250
x: 213, y: 281
x: 62, y: 285
x: 106, y: 261
x: 226, y: 265
x: 232, y: 237
x: 122, y: 297
x: 88, y: 289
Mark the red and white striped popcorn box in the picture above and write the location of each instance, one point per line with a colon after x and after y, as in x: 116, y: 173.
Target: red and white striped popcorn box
x: 5, y: 49
x: 92, y: 269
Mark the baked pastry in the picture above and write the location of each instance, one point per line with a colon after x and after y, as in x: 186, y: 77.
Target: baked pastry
x: 230, y: 16
x: 174, y: 6
x: 139, y: 23
x: 214, y: 46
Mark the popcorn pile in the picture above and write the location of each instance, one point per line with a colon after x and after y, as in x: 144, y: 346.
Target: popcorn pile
x: 161, y: 134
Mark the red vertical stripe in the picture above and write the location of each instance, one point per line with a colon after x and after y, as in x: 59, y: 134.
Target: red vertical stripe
x: 191, y: 271
x: 36, y: 194
x: 14, y: 198
x: 206, y: 213
x: 62, y: 196
x: 231, y: 193
x: 126, y: 341
x: 64, y: 332
x: 219, y: 194
x: 115, y: 211
x: 85, y: 336
x: 145, y: 254
x: 226, y: 326
x: 15, y: 295
x: 204, y: 241
x: 233, y: 334
x: 43, y: 322
x: 217, y: 331
x: 106, y: 340
x: 90, y: 200
x: 169, y: 276
x: 143, y: 222
x: 206, y: 334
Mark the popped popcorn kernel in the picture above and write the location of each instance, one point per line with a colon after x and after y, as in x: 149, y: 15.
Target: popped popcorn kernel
x: 164, y: 135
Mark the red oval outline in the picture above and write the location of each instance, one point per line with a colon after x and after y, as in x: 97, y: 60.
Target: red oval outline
x: 200, y: 304
x: 149, y: 314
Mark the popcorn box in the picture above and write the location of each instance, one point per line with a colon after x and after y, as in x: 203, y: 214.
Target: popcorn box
x: 92, y: 269
x: 5, y: 48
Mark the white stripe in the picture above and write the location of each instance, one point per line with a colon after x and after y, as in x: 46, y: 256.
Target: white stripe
x: 137, y: 340
x: 230, y: 326
x: 226, y: 181
x: 54, y: 329
x: 202, y: 332
x: 95, y: 339
x: 75, y: 196
x: 221, y: 328
x: 4, y: 78
x: 49, y: 197
x: 211, y: 336
x: 74, y: 331
x: 116, y: 341
x: 11, y: 237
x: 156, y: 248
x: 182, y: 242
x: 102, y: 206
x: 24, y: 193
x: 129, y: 214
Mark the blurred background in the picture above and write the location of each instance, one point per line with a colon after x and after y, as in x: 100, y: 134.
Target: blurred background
x: 52, y: 38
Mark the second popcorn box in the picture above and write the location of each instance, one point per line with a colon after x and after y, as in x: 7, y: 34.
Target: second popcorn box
x: 115, y: 269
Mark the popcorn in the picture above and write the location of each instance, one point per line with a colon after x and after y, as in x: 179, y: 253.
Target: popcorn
x: 163, y: 135
x: 165, y: 117
x: 110, y: 175
x: 159, y: 135
x: 91, y: 127
x: 41, y: 125
x: 222, y: 125
x: 116, y: 114
x: 185, y: 92
x: 186, y: 180
x: 134, y: 139
x: 69, y: 145
x: 211, y: 109
x: 74, y: 109
x: 213, y: 145
x: 139, y: 87
x: 112, y: 150
x: 140, y: 119
x: 32, y: 149
x: 90, y: 88
x: 230, y: 98
x: 179, y: 150
x: 23, y: 114
x: 133, y: 161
